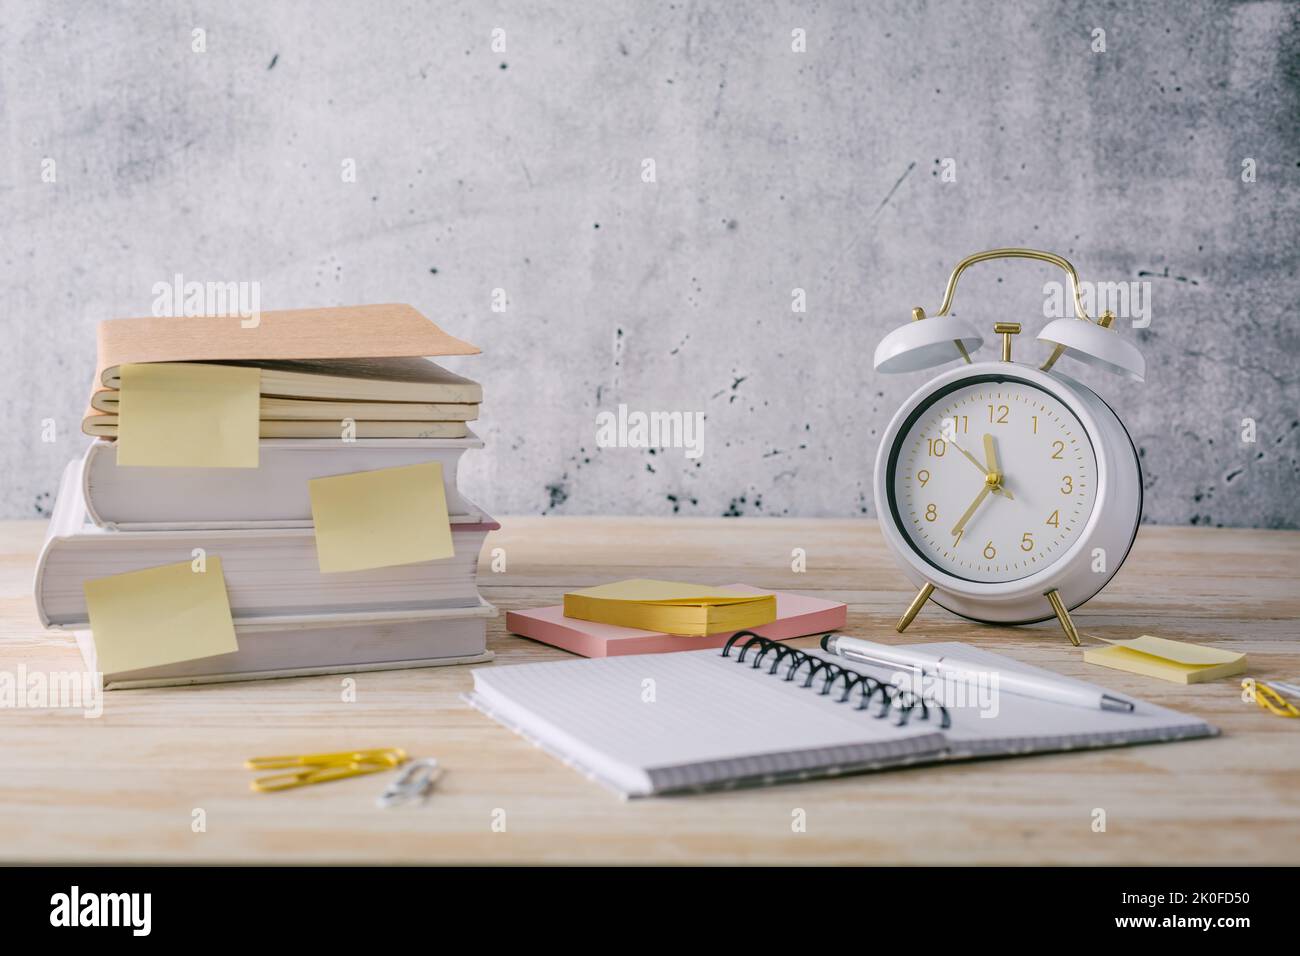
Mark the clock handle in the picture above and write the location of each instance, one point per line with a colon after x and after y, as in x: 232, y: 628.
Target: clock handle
x: 1014, y: 253
x: 1017, y: 253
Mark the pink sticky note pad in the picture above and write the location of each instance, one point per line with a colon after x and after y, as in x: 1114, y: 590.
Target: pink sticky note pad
x: 796, y: 616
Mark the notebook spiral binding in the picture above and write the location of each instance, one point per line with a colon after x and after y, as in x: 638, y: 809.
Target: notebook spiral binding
x: 892, y: 698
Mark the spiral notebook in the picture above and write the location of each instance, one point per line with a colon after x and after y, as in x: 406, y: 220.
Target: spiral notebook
x: 653, y: 724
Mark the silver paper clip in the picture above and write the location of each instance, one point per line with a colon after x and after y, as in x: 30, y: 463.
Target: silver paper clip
x: 415, y: 782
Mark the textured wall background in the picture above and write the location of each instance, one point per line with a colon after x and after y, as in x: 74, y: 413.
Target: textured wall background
x: 775, y: 170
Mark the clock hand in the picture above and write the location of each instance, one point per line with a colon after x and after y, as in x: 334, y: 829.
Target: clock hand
x: 991, y: 453
x: 969, y: 457
x: 999, y: 490
x: 979, y: 499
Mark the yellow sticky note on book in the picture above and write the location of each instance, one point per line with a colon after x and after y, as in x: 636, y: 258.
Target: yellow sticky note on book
x: 160, y: 616
x: 377, y: 519
x: 1175, y: 661
x: 187, y: 415
x: 670, y: 607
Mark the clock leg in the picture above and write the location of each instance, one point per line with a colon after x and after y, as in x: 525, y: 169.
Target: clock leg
x: 914, y: 608
x: 1062, y: 615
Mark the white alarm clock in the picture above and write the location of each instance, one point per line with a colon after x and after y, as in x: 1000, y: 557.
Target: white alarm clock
x: 1008, y: 493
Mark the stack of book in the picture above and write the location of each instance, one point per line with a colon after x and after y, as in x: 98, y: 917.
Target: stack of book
x: 334, y: 392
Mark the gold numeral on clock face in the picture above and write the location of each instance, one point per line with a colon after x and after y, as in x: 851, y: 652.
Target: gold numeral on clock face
x: 1027, y: 542
x: 1035, y: 418
x: 923, y: 476
x: 957, y: 540
x: 930, y: 513
x: 937, y: 447
x: 990, y: 552
x: 1001, y: 412
x: 951, y: 426
x: 1057, y: 448
x: 1054, y: 519
x: 1068, y: 487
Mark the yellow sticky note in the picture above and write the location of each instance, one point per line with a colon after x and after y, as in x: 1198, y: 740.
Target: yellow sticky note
x: 670, y: 606
x: 1195, y: 655
x: 160, y: 616
x: 376, y: 519
x: 647, y: 591
x: 187, y: 415
x: 1175, y: 661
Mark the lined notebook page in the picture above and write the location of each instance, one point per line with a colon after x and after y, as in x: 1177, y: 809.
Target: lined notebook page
x: 658, y: 722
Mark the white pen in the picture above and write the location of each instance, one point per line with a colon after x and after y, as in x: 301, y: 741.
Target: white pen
x: 938, y: 665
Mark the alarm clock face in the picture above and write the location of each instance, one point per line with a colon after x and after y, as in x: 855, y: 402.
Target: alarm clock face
x: 971, y: 525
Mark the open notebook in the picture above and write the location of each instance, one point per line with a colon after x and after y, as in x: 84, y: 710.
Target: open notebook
x: 661, y: 723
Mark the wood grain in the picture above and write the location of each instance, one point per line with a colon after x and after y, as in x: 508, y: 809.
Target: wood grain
x: 124, y: 787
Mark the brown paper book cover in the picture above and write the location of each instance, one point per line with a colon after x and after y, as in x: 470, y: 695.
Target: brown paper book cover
x: 351, y: 334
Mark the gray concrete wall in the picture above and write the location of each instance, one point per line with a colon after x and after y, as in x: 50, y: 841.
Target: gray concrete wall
x: 775, y: 170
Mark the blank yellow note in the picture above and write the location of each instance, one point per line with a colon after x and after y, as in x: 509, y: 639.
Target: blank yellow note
x: 647, y: 591
x: 670, y: 606
x: 1175, y: 661
x: 376, y: 519
x: 160, y: 616
x: 186, y: 415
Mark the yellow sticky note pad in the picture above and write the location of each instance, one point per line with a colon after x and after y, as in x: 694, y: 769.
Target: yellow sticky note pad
x: 647, y: 591
x: 377, y: 519
x: 160, y: 616
x: 670, y: 606
x: 187, y: 415
x: 1175, y: 661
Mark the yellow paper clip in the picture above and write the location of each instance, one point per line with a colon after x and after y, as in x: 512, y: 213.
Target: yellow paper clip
x: 1272, y: 701
x: 322, y: 768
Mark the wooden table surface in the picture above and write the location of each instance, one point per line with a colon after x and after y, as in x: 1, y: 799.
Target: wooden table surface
x: 126, y: 786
